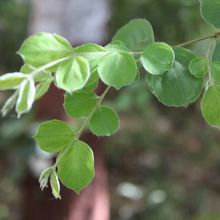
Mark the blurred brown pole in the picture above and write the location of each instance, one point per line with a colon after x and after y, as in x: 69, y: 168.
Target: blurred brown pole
x: 80, y: 22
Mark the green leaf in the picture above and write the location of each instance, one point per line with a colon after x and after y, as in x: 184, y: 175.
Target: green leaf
x: 92, y: 52
x: 44, y: 177
x: 198, y: 67
x: 42, y: 88
x: 11, y: 80
x: 89, y: 49
x: 63, y: 41
x: 73, y: 74
x: 9, y: 104
x: 104, y: 122
x: 210, y: 11
x: 211, y: 105
x: 26, y: 68
x: 43, y: 48
x: 41, y: 76
x: 215, y: 72
x: 177, y: 87
x: 136, y: 34
x: 92, y: 82
x: 157, y: 58
x: 76, y: 166
x: 117, y: 69
x: 53, y: 136
x: 55, y: 184
x: 216, y: 52
x: 183, y: 56
x: 25, y: 97
x: 80, y: 104
x: 112, y: 47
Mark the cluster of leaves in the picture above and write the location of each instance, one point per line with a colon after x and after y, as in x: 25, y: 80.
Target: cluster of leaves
x: 175, y: 76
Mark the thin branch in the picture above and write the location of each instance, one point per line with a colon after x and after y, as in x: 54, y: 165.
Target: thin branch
x: 84, y: 125
x: 196, y: 40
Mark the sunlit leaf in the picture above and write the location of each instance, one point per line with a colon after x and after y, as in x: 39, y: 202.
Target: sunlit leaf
x: 73, y: 74
x: 26, y: 97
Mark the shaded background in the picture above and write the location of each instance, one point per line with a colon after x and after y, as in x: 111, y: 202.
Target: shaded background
x: 163, y: 164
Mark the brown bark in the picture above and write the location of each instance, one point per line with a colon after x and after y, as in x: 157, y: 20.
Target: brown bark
x: 91, y: 204
x: 78, y: 21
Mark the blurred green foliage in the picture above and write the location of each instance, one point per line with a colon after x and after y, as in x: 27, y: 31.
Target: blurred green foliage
x: 173, y: 21
x: 16, y: 144
x: 13, y: 24
x: 170, y: 156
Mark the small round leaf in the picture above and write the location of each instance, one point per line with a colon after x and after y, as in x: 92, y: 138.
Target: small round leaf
x: 53, y: 135
x: 136, y: 34
x: 76, y: 166
x: 117, y: 69
x: 211, y: 105
x: 157, y: 58
x: 198, y: 67
x: 176, y: 87
x: 104, y: 122
x: 73, y: 74
x: 80, y: 104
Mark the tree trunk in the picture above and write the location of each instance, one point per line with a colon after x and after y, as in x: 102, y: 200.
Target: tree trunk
x: 78, y: 21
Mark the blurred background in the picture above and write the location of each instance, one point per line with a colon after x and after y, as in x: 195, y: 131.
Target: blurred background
x: 163, y: 164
